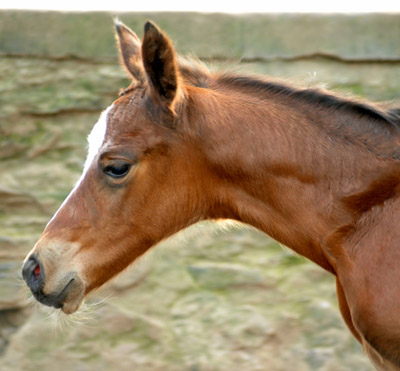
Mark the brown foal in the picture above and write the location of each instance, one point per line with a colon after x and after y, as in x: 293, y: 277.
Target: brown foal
x: 319, y: 173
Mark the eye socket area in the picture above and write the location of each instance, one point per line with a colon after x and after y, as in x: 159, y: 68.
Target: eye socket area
x: 117, y: 170
x: 115, y: 165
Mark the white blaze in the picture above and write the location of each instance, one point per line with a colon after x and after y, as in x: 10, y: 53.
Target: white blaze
x: 95, y: 141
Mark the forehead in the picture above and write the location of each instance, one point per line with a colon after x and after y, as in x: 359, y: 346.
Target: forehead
x: 131, y: 120
x: 128, y: 113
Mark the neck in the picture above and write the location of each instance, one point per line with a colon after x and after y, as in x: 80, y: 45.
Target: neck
x: 278, y: 173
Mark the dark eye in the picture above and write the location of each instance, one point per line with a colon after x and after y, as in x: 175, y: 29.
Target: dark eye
x: 117, y: 170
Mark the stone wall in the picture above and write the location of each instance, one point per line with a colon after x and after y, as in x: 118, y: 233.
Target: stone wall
x: 211, y: 298
x: 249, y: 37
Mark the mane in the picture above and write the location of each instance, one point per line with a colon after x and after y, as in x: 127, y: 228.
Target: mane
x: 358, y: 122
x: 321, y: 98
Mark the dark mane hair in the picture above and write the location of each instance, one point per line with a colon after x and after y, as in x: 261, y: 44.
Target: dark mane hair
x: 314, y: 96
x: 363, y: 123
x: 195, y: 73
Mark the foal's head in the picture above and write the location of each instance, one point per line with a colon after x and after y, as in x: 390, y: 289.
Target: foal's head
x: 140, y: 182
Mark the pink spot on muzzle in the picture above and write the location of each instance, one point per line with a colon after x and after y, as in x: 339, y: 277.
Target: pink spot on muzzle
x: 36, y: 271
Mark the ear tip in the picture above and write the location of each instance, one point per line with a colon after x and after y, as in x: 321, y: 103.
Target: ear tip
x: 123, y: 30
x: 118, y: 24
x: 150, y: 26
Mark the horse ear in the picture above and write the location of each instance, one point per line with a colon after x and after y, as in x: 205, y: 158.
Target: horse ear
x: 130, y: 51
x: 159, y: 62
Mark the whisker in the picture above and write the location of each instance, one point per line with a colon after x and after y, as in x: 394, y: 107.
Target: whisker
x: 61, y: 322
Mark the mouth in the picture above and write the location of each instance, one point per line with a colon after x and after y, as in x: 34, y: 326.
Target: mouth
x: 68, y: 299
x: 53, y: 300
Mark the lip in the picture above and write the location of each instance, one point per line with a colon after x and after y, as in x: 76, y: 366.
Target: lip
x: 54, y: 300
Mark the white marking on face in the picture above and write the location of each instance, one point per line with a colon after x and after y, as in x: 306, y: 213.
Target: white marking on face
x: 95, y: 141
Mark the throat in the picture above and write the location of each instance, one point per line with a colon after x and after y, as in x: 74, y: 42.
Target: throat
x: 284, y: 215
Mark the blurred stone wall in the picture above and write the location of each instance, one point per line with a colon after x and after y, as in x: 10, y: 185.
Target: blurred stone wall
x: 88, y: 36
x: 211, y: 298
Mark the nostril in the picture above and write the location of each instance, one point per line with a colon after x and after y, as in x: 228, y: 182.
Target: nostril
x: 33, y: 274
x: 36, y: 272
